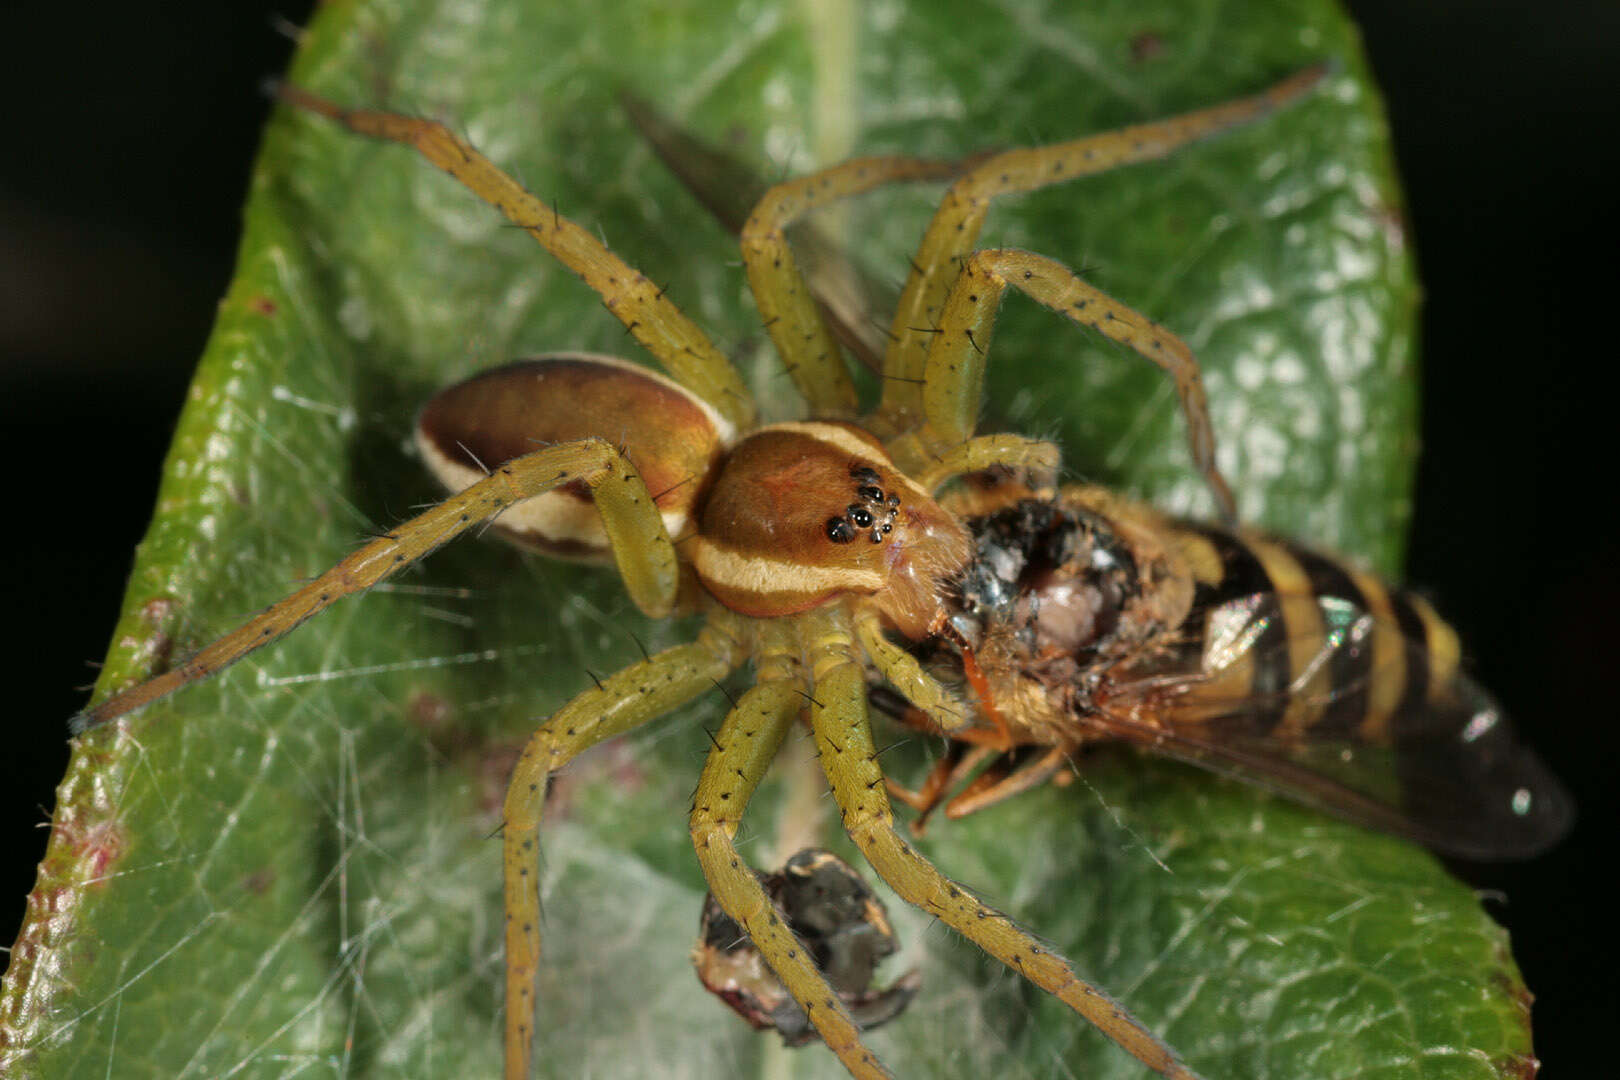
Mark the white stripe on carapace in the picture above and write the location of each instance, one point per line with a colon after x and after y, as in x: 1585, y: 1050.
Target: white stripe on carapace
x: 764, y: 575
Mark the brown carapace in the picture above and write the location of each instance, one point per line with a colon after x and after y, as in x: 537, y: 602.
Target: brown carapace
x: 823, y: 554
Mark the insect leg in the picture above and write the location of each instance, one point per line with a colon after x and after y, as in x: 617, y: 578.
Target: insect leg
x: 743, y: 750
x: 996, y: 785
x: 956, y: 357
x: 639, y: 693
x: 955, y: 765
x: 954, y: 230
x: 785, y: 303
x: 843, y: 736
x: 683, y: 349
x: 641, y: 547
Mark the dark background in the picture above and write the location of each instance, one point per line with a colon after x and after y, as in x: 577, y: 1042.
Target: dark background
x: 127, y: 156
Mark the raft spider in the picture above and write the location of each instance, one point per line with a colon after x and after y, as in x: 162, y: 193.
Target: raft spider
x: 804, y: 545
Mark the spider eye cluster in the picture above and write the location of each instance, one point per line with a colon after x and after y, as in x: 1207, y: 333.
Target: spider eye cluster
x: 874, y: 509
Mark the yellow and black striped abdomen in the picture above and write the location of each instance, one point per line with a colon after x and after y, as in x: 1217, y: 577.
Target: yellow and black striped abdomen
x: 1293, y: 644
x: 1245, y: 654
x: 1317, y: 680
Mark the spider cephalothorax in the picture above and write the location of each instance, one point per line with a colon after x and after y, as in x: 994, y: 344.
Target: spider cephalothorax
x: 802, y: 514
x: 806, y: 546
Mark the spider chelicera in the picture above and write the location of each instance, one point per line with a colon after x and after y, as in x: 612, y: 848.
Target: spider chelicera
x: 808, y: 547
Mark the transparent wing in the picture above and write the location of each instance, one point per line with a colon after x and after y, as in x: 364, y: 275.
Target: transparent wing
x: 1359, y: 717
x: 853, y: 302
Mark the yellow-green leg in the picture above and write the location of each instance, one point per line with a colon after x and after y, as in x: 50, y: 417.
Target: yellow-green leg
x: 903, y: 672
x: 744, y: 748
x: 985, y: 452
x: 954, y: 383
x: 623, y: 701
x: 786, y: 306
x: 954, y: 230
x: 683, y: 349
x: 844, y: 738
x: 641, y: 547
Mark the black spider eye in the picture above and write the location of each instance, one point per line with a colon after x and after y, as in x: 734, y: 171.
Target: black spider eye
x: 861, y: 516
x: 871, y: 493
x: 840, y: 531
x: 863, y: 474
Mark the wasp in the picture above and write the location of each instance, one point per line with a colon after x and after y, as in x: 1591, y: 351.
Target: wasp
x: 1084, y: 617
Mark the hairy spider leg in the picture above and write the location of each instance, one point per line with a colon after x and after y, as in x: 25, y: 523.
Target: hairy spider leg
x: 651, y: 317
x: 955, y: 227
x: 1034, y: 457
x: 641, y: 547
x: 803, y: 339
x: 639, y: 693
x: 954, y: 382
x: 786, y: 306
x: 843, y: 733
x: 905, y: 674
x: 743, y: 750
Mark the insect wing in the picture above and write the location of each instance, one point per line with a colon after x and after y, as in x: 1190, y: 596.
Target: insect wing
x: 1356, y: 716
x: 851, y: 301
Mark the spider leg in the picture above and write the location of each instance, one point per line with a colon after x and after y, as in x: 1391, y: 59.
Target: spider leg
x: 906, y: 675
x: 639, y: 693
x: 843, y: 735
x: 641, y: 546
x: 954, y: 230
x: 786, y: 306
x: 683, y: 349
x: 744, y: 747
x: 988, y: 451
x: 956, y: 357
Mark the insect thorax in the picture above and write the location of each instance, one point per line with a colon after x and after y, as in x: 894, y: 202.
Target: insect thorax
x: 1057, y: 595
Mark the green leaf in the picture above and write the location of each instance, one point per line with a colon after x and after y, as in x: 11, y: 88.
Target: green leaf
x: 290, y: 870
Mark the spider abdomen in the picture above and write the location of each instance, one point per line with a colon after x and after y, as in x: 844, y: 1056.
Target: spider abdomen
x: 672, y: 437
